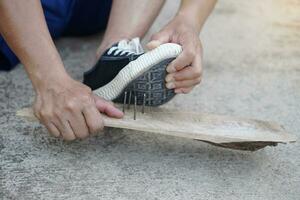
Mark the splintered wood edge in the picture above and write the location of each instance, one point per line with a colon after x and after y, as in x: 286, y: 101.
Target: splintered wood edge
x: 27, y: 113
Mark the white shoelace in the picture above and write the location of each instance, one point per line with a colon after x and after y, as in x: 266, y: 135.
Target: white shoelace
x: 127, y: 47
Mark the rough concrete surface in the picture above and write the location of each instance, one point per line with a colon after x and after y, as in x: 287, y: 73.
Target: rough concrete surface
x: 252, y: 69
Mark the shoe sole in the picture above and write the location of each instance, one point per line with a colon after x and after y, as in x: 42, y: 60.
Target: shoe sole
x: 145, y: 75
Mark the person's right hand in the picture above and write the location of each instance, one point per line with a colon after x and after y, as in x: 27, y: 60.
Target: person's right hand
x: 69, y: 109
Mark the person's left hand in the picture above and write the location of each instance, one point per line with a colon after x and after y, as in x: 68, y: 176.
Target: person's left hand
x: 185, y: 72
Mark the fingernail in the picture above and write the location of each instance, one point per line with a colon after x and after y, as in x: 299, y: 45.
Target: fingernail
x: 170, y: 85
x: 119, y: 113
x: 169, y: 78
x: 153, y: 44
x: 171, y: 69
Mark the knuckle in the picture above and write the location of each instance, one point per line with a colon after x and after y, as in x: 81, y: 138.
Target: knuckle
x: 70, y: 105
x: 45, y: 114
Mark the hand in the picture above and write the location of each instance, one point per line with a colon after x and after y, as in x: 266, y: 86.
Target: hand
x: 185, y: 72
x: 69, y: 109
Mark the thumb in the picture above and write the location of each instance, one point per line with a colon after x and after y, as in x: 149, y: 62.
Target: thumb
x: 158, y: 39
x: 107, y: 108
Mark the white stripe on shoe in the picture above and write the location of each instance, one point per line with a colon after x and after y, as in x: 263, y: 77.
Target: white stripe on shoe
x: 136, y: 68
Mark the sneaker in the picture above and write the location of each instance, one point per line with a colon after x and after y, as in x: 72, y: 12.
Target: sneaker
x: 125, y: 72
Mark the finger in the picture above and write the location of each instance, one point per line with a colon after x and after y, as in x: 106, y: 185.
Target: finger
x: 93, y: 119
x: 187, y: 73
x: 107, y: 108
x: 158, y: 39
x: 66, y: 130
x: 183, y: 90
x: 184, y: 59
x: 45, y: 118
x: 52, y: 129
x: 153, y: 44
x: 183, y: 84
x: 189, y: 52
x: 78, y: 125
x: 184, y: 74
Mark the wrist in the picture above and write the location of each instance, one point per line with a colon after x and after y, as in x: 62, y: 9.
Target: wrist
x: 187, y: 19
x: 45, y: 69
x: 44, y: 80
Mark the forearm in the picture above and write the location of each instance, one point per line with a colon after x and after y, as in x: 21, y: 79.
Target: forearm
x: 196, y: 12
x: 23, y: 26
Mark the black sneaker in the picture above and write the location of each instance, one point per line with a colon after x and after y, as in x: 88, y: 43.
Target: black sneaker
x: 124, y: 69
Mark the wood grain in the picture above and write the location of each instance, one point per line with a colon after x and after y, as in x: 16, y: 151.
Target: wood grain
x: 224, y: 131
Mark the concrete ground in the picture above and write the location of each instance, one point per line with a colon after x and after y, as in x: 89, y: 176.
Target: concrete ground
x: 252, y: 69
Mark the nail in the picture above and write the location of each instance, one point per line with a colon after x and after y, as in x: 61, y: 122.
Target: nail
x: 144, y: 102
x: 134, y: 114
x: 170, y: 85
x: 153, y: 44
x: 169, y: 78
x: 124, y: 101
x: 171, y: 69
x: 129, y: 100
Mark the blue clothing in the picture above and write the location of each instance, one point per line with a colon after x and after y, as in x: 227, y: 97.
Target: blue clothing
x: 65, y: 18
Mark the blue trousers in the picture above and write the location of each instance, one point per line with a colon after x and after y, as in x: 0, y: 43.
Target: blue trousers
x: 65, y: 18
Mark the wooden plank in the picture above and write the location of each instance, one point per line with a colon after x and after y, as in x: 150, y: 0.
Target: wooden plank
x: 230, y: 132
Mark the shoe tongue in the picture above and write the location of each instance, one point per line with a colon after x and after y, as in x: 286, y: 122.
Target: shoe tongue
x: 133, y: 46
x: 126, y: 47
